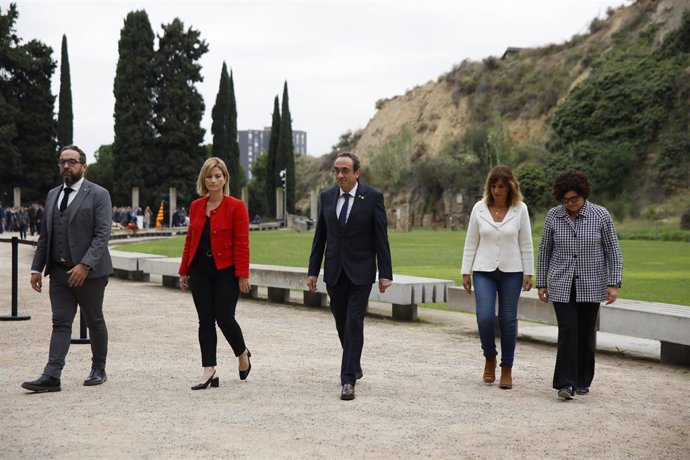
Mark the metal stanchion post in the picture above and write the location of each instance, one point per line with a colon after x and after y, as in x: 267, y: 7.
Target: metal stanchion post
x: 83, y: 335
x: 15, y: 277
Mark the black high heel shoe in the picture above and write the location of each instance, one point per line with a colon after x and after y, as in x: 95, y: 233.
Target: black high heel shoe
x: 245, y: 373
x: 213, y: 381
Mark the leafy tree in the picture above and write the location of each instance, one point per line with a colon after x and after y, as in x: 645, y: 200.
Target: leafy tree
x: 271, y: 175
x: 65, y: 116
x: 285, y: 156
x: 102, y: 171
x: 257, y: 188
x: 133, y: 161
x: 178, y: 109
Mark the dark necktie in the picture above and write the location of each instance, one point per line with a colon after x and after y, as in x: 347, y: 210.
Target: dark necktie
x: 63, y: 203
x: 342, y: 218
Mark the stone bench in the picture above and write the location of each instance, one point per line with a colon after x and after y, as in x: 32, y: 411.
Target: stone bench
x: 128, y: 265
x: 667, y: 323
x: 404, y: 295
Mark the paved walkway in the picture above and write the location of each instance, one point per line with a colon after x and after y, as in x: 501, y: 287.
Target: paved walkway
x: 421, y: 395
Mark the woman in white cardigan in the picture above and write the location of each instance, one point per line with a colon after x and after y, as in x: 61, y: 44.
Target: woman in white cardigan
x: 499, y: 254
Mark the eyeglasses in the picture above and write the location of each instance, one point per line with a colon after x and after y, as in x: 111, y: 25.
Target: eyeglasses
x: 343, y: 171
x: 571, y: 200
x: 70, y: 162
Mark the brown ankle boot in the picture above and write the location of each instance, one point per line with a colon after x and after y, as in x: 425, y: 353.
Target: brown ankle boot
x: 490, y: 370
x: 506, y: 378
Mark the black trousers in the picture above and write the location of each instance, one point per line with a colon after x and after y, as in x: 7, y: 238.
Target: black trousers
x: 576, y: 343
x: 349, y: 305
x: 215, y: 294
x: 63, y: 302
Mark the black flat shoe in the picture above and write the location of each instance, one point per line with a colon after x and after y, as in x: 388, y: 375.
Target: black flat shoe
x: 566, y: 393
x: 96, y: 377
x: 359, y: 374
x: 582, y: 390
x: 213, y: 381
x: 43, y: 384
x: 347, y: 393
x: 245, y: 373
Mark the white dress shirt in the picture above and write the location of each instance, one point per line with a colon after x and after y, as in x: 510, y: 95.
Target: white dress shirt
x: 75, y: 189
x: 341, y: 200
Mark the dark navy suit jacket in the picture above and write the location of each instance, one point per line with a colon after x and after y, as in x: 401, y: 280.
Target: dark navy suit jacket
x: 357, y: 248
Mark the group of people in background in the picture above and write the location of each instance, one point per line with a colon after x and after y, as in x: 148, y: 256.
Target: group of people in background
x: 22, y: 219
x: 579, y: 265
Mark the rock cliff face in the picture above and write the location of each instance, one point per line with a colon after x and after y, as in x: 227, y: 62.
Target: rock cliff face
x: 514, y: 96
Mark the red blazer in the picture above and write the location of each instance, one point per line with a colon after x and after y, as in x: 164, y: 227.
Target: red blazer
x: 229, y: 235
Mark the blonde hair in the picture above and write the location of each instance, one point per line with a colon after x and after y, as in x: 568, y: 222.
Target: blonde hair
x: 209, y: 164
x: 502, y: 172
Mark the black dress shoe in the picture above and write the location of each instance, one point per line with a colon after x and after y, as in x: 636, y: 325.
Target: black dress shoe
x: 245, y: 373
x: 359, y: 374
x: 582, y: 390
x: 43, y: 384
x: 96, y: 377
x: 348, y: 392
x: 566, y: 392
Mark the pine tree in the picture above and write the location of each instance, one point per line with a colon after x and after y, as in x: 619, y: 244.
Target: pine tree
x: 178, y: 109
x: 271, y: 175
x: 27, y: 126
x: 65, y: 115
x: 285, y: 158
x: 133, y: 162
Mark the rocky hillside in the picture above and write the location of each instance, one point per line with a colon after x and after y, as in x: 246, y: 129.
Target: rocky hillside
x: 430, y: 148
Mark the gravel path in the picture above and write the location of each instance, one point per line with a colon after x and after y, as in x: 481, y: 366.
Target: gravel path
x: 421, y: 395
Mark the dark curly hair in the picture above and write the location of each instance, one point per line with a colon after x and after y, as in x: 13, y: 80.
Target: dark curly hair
x: 571, y: 180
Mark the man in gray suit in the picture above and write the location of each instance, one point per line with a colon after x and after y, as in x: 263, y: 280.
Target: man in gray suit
x: 73, y: 250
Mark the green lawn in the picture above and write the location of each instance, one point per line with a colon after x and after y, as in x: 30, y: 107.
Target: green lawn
x: 652, y: 270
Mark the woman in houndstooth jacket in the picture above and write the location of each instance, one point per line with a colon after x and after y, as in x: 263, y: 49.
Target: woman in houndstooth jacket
x: 579, y: 265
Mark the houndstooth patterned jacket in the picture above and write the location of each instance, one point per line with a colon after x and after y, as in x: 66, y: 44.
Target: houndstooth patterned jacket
x: 586, y: 251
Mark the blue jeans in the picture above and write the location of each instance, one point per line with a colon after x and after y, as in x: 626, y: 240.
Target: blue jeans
x: 507, y: 286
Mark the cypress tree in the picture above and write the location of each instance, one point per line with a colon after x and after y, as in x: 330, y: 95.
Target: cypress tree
x: 237, y: 176
x: 271, y: 175
x: 65, y: 115
x: 178, y: 109
x: 220, y: 119
x: 224, y: 130
x: 285, y: 158
x: 133, y: 164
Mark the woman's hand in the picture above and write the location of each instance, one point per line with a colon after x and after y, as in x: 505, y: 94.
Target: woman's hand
x: 543, y: 294
x: 245, y: 287
x: 467, y: 283
x: 527, y: 283
x: 184, y: 282
x: 611, y: 295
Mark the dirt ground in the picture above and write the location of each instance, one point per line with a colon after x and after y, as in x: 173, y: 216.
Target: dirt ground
x: 421, y: 395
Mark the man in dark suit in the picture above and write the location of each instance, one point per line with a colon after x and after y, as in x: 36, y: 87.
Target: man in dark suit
x: 73, y: 250
x: 352, y: 231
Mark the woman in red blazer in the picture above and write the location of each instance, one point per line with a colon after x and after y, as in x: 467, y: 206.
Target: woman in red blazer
x: 215, y: 266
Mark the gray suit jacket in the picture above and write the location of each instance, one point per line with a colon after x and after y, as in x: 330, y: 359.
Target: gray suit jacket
x: 88, y: 231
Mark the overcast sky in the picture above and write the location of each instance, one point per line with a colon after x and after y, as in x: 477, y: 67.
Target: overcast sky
x: 338, y: 56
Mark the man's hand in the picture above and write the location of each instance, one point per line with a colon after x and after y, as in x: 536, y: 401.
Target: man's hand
x: 384, y: 284
x: 527, y: 283
x: 611, y: 295
x: 77, y: 275
x: 311, y: 283
x: 36, y: 281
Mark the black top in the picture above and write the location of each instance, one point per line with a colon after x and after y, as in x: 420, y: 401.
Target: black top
x: 205, y: 241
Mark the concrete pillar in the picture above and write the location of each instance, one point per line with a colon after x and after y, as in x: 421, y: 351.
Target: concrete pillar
x: 135, y: 197
x: 314, y: 199
x: 173, y: 204
x: 280, y: 204
x: 17, y: 197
